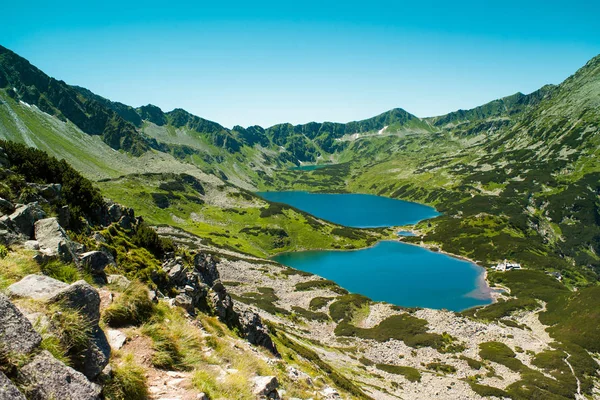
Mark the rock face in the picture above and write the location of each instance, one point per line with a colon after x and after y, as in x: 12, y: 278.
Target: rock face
x: 253, y: 329
x: 193, y: 290
x: 22, y: 219
x: 48, y: 378
x: 50, y: 192
x: 53, y: 240
x: 16, y: 332
x: 8, y: 391
x: 37, y: 287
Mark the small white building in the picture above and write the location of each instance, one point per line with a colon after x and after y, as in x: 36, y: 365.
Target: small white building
x: 507, y: 266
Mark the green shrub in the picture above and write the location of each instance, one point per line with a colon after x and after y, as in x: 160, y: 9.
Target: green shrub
x: 488, y: 391
x: 472, y: 362
x: 3, y: 251
x: 500, y: 353
x: 441, y: 367
x: 167, y: 352
x: 345, y: 306
x: 411, y: 330
x: 128, y: 382
x: 317, y: 303
x: 132, y: 307
x: 410, y: 373
x: 320, y: 284
x: 310, y: 315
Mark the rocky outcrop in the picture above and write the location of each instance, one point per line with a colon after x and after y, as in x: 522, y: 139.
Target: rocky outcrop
x: 16, y: 332
x: 50, y: 192
x: 192, y: 286
x: 53, y: 240
x: 79, y: 296
x: 21, y: 221
x: 36, y: 287
x: 48, y: 378
x: 6, y: 207
x: 252, y: 328
x: 8, y: 391
x: 266, y: 387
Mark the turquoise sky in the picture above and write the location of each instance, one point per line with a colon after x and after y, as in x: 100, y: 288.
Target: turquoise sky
x: 246, y: 63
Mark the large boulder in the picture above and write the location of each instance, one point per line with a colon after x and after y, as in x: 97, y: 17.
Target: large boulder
x: 96, y: 356
x: 48, y: 378
x: 36, y: 287
x: 16, y: 332
x: 95, y: 262
x: 80, y: 296
x: 8, y: 391
x: 54, y: 241
x: 22, y: 219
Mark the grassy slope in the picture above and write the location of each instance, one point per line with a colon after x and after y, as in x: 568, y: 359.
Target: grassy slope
x: 230, y: 218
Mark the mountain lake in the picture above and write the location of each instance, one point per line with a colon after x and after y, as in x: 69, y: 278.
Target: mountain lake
x: 392, y: 271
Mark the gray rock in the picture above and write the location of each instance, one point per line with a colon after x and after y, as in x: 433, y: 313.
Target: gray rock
x: 97, y: 236
x: 32, y: 245
x: 50, y: 192
x: 64, y: 216
x: 80, y: 296
x: 6, y: 206
x: 8, y: 237
x: 22, y: 219
x: 37, y: 287
x: 119, y: 281
x: 265, y: 385
x: 126, y: 222
x: 8, y: 391
x: 96, y: 356
x: 296, y: 375
x: 95, y: 261
x: 202, y: 396
x: 53, y: 240
x: 252, y: 328
x: 115, y: 212
x: 184, y: 301
x: 48, y: 378
x: 116, y: 338
x: 16, y: 332
x: 207, y: 268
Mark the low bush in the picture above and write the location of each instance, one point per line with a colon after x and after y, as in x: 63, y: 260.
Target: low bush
x: 320, y: 284
x: 132, y: 307
x: 317, y: 303
x: 128, y: 382
x: 345, y: 306
x: 500, y: 353
x: 410, y: 373
x: 441, y: 367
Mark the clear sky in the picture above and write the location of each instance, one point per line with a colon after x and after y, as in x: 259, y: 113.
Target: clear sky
x: 265, y: 62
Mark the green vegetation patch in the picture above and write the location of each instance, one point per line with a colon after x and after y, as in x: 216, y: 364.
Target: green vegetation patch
x: 263, y: 299
x: 344, y: 307
x: 320, y: 284
x: 132, y: 307
x: 310, y: 315
x: 410, y: 373
x: 441, y: 368
x: 317, y: 303
x: 411, y: 330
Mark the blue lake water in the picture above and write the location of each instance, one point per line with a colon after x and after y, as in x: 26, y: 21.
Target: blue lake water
x: 391, y: 271
x: 355, y: 210
x: 398, y: 273
x: 308, y: 167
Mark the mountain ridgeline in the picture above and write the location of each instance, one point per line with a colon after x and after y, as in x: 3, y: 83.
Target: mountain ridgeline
x: 528, y: 163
